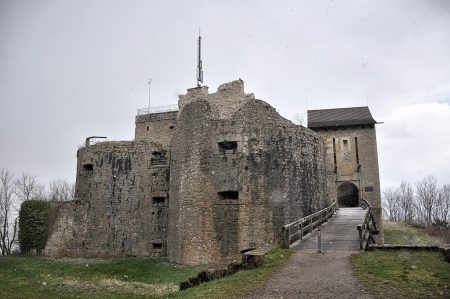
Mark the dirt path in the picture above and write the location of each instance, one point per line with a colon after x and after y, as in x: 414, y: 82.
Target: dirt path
x: 309, y: 274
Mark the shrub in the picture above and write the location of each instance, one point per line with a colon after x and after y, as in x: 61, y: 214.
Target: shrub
x: 34, y: 225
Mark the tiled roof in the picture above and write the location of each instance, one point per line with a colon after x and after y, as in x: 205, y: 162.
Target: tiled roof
x: 340, y: 117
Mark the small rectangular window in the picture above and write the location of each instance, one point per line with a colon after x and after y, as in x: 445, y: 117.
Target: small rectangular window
x: 158, y: 158
x: 228, y: 145
x: 345, y: 142
x: 229, y: 194
x: 158, y: 200
x: 368, y: 189
x: 148, y: 128
x: 88, y: 167
x: 157, y: 245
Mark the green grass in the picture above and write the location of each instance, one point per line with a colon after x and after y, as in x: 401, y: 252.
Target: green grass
x: 240, y: 283
x: 33, y: 277
x: 403, y: 274
x: 400, y: 233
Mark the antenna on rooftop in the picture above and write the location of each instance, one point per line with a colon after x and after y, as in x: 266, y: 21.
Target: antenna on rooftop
x: 306, y: 104
x: 199, y: 60
x: 149, y: 83
x: 367, y: 99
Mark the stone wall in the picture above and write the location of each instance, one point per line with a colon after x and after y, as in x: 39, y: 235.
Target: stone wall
x: 201, y: 185
x: 156, y: 127
x: 120, y: 206
x: 366, y: 176
x: 239, y: 172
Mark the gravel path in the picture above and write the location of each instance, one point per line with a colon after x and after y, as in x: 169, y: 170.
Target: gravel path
x: 309, y: 274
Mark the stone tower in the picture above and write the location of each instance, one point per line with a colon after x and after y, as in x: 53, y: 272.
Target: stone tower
x: 352, y: 158
x: 238, y: 173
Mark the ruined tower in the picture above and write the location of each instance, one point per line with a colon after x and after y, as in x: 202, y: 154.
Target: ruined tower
x: 239, y: 172
x: 352, y: 158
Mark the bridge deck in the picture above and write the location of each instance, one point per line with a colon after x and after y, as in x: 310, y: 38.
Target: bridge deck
x: 338, y: 234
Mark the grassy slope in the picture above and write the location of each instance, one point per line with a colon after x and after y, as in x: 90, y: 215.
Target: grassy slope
x: 404, y: 274
x: 31, y: 277
x: 240, y: 283
x: 400, y: 233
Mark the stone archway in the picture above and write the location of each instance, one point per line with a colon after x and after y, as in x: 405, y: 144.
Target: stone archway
x: 348, y: 195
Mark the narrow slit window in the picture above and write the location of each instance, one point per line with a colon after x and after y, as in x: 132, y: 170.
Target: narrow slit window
x: 229, y: 195
x: 148, y: 128
x: 356, y: 150
x: 334, y: 155
x: 88, y: 167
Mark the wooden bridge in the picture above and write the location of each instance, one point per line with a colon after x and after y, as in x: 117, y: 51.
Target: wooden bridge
x: 343, y: 229
x: 309, y: 274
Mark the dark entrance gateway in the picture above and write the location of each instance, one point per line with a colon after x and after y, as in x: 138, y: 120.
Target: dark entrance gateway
x: 348, y: 195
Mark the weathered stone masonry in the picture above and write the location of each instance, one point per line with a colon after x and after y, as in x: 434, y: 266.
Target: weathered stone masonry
x: 352, y: 158
x: 239, y: 172
x: 218, y: 177
x: 118, y: 209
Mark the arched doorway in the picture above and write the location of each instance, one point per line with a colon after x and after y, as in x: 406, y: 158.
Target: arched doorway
x: 348, y: 195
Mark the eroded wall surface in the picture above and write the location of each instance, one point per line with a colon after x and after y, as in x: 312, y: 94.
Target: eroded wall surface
x: 201, y: 185
x: 121, y: 201
x: 238, y: 173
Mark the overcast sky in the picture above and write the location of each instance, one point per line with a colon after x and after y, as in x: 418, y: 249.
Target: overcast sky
x: 72, y: 69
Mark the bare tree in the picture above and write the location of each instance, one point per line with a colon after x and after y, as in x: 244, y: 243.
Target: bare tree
x: 40, y: 192
x: 427, y: 196
x: 391, y: 204
x: 26, y: 186
x: 72, y: 191
x: 406, y: 202
x: 8, y: 230
x: 299, y: 119
x: 59, y: 190
x: 441, y: 211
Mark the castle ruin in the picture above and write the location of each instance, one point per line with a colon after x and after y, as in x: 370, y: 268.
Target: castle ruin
x: 217, y: 177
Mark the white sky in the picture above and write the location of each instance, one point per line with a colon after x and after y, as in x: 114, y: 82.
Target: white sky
x: 72, y: 69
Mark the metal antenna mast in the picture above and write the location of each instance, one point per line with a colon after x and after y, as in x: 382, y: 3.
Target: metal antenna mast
x: 199, y: 60
x: 149, y: 83
x: 367, y: 99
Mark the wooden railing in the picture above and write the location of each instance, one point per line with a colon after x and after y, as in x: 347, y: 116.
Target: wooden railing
x: 296, y: 230
x: 368, y: 228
